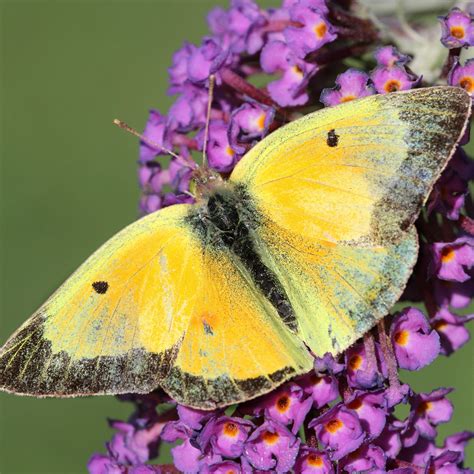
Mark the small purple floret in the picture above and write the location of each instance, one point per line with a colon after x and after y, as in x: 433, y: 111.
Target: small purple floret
x: 351, y: 84
x: 416, y: 344
x: 457, y: 29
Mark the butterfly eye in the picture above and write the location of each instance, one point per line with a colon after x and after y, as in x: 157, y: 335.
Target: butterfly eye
x: 100, y: 287
x: 332, y: 139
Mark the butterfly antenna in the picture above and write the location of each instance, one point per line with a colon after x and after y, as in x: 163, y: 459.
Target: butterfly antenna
x: 212, y: 80
x: 150, y: 143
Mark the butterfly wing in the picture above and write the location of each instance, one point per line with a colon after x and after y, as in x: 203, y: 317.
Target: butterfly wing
x: 155, y: 306
x: 338, y: 191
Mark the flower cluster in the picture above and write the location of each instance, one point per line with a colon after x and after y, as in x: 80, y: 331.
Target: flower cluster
x: 340, y: 417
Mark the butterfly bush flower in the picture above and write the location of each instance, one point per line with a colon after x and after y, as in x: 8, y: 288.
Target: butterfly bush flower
x: 416, y: 344
x: 340, y: 417
x: 457, y: 29
x: 351, y: 84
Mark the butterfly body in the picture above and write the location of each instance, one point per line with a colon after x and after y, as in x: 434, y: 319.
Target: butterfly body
x: 302, y: 250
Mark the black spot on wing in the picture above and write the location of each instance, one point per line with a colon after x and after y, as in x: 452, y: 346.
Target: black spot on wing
x: 332, y: 139
x: 100, y: 287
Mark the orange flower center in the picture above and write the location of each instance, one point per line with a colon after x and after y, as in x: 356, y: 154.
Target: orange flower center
x: 423, y: 407
x: 231, y: 429
x: 401, y: 337
x: 315, y: 379
x: 392, y: 86
x: 320, y: 29
x: 297, y: 70
x: 261, y: 122
x: 229, y: 151
x: 347, y: 98
x: 314, y: 460
x: 334, y: 425
x: 355, y: 404
x: 447, y: 254
x: 283, y: 403
x: 440, y: 325
x: 270, y: 438
x: 355, y: 362
x: 467, y: 83
x: 458, y: 32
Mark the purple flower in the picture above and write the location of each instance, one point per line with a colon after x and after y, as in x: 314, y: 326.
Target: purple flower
x: 430, y: 410
x: 150, y: 203
x: 152, y: 177
x: 327, y: 365
x: 389, y: 56
x: 189, y: 459
x: 189, y: 110
x: 367, y: 458
x: 408, y: 433
x: 150, y: 470
x: 290, y: 89
x: 463, y: 76
x: 389, y: 440
x: 178, y: 72
x: 243, y: 16
x: 371, y: 410
x: 101, y: 464
x: 392, y: 79
x: 226, y: 436
x: 220, y: 154
x: 248, y: 124
x: 235, y: 27
x: 449, y: 194
x: 450, y: 260
x: 179, y: 175
x: 190, y: 421
x: 170, y: 199
x: 288, y: 404
x: 455, y: 294
x: 315, y: 30
x: 131, y: 445
x: 445, y: 463
x: 416, y: 344
x: 458, y: 442
x: 360, y: 372
x: 272, y: 446
x: 339, y: 431
x: 224, y: 467
x: 351, y: 84
x: 258, y: 36
x: 323, y: 389
x: 420, y: 453
x: 157, y: 132
x: 205, y: 60
x: 312, y: 461
x: 457, y: 29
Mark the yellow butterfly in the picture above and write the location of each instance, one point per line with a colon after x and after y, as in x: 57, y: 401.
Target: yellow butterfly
x: 304, y: 248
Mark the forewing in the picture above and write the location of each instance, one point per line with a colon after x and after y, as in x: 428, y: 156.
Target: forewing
x: 337, y: 193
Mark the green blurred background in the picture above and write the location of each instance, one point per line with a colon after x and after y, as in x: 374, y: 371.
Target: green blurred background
x: 69, y: 182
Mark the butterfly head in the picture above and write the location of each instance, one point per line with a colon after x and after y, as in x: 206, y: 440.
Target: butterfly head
x: 203, y: 181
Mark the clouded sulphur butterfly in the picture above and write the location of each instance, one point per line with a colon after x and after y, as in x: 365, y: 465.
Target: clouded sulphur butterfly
x: 304, y: 248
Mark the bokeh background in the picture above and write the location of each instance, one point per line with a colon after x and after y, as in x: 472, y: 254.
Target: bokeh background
x: 69, y: 183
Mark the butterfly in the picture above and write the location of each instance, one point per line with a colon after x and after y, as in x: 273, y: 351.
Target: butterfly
x: 307, y: 244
